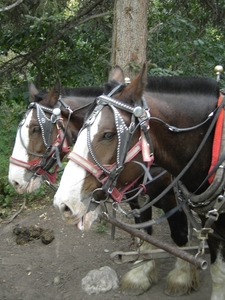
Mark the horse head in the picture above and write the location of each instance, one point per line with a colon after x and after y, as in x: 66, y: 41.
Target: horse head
x: 108, y: 154
x: 44, y: 136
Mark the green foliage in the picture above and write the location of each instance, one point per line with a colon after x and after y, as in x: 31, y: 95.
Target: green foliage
x: 15, y: 93
x: 154, y: 70
x: 182, y: 44
x: 8, y: 125
x: 74, y: 55
x: 102, y: 227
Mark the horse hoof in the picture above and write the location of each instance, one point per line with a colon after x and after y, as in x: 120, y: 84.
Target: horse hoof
x: 182, y: 280
x: 177, y: 291
x: 139, y: 280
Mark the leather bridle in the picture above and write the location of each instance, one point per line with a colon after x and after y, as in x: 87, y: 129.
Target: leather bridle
x: 107, y: 175
x: 42, y: 165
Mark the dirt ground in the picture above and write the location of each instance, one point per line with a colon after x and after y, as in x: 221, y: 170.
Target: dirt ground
x: 54, y: 271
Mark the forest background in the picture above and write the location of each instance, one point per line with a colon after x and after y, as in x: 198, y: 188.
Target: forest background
x: 44, y: 39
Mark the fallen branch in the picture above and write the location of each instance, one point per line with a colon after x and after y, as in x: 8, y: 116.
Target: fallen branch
x: 16, y: 214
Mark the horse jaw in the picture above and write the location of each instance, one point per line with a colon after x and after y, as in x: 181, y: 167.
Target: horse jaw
x: 81, y: 214
x: 87, y: 220
x: 34, y: 184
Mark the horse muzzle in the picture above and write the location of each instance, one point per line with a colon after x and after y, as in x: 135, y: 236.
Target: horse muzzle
x: 70, y: 213
x: 80, y: 214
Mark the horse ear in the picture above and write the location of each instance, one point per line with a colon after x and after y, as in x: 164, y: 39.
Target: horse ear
x: 117, y: 74
x: 136, y: 88
x: 32, y: 90
x: 57, y: 88
x: 53, y: 95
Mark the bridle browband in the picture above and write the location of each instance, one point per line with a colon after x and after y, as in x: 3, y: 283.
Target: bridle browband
x: 42, y: 165
x: 107, y: 175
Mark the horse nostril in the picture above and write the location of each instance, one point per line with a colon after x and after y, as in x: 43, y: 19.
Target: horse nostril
x: 65, y: 208
x: 15, y: 183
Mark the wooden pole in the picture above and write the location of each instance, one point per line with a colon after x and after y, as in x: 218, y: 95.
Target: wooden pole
x: 195, y: 260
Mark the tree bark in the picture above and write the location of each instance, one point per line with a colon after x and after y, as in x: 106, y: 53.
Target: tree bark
x: 129, y: 35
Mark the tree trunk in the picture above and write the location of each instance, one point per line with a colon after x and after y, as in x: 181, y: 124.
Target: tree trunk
x: 129, y: 35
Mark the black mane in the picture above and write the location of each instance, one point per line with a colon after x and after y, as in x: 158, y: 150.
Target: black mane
x: 175, y: 85
x: 89, y: 91
x: 76, y: 92
x: 180, y: 84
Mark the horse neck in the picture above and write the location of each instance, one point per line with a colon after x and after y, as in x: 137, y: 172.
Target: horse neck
x: 174, y: 150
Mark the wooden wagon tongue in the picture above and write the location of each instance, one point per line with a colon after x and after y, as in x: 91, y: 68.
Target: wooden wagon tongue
x: 122, y: 257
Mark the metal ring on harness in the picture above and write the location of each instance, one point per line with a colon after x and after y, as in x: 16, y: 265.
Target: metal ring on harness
x: 143, y: 187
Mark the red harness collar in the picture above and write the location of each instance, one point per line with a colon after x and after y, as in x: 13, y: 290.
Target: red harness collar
x: 217, y: 139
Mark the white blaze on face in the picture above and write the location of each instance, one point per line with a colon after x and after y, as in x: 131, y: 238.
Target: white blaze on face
x: 17, y: 173
x: 70, y: 188
x: 73, y: 175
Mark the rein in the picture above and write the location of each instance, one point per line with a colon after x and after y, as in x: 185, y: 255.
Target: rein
x: 176, y: 129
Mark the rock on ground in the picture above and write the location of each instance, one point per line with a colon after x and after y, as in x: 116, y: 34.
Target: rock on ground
x: 100, y: 281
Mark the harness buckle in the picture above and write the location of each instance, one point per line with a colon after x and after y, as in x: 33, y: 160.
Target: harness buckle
x: 213, y: 214
x: 203, y: 233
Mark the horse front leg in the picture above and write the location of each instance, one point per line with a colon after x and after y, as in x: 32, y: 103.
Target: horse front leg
x: 218, y: 277
x: 141, y: 277
x: 143, y: 273
x: 184, y: 278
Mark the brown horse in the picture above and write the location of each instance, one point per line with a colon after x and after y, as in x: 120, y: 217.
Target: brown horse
x: 176, y: 118
x: 43, y: 138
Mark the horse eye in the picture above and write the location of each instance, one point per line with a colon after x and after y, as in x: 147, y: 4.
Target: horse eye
x: 108, y: 135
x: 36, y: 129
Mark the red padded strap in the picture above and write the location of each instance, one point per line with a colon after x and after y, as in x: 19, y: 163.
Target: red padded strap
x: 217, y: 140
